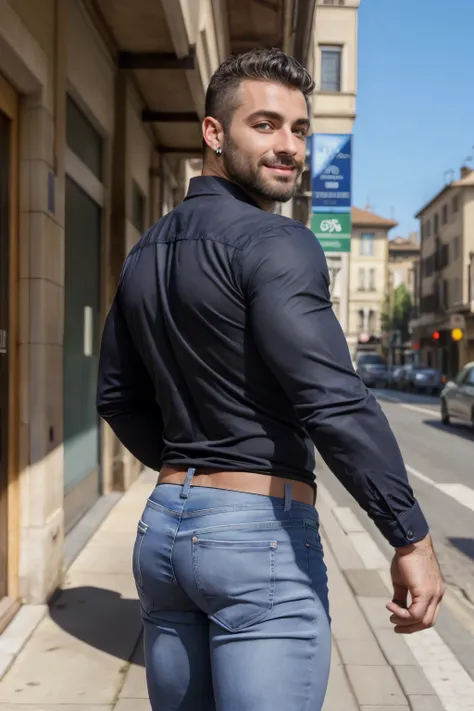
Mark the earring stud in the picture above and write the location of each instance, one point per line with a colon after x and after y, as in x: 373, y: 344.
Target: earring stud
x: 218, y: 151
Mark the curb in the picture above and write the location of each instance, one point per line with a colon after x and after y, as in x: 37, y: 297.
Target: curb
x: 426, y: 669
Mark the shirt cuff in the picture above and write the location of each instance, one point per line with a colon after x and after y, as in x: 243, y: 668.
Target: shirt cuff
x: 410, y: 527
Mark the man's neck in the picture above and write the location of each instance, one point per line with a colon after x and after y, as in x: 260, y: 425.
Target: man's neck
x: 217, y: 171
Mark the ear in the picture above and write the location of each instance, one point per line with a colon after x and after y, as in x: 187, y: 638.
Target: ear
x: 212, y: 133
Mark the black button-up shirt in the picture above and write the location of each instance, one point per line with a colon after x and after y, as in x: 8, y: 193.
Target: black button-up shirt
x: 221, y: 350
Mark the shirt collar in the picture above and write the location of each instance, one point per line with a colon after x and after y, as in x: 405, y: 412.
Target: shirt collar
x: 207, y: 185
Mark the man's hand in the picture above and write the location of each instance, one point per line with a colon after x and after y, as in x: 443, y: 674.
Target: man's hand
x: 415, y: 570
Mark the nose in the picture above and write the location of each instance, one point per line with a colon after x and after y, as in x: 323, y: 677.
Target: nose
x: 286, y: 143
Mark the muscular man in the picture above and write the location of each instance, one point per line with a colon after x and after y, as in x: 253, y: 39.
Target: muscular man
x: 222, y: 365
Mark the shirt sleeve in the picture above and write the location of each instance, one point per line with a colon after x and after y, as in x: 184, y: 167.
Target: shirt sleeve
x: 286, y: 283
x: 125, y: 392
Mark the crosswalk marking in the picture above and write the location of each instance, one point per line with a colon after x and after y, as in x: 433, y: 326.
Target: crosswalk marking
x: 459, y: 492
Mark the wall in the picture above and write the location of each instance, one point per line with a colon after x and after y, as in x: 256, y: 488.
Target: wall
x: 28, y: 62
x: 468, y: 236
x: 335, y: 112
x: 453, y: 228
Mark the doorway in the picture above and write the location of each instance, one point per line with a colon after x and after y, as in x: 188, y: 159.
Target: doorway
x: 8, y: 352
x: 81, y: 353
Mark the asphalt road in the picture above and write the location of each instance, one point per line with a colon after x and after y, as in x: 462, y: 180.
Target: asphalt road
x: 440, y: 462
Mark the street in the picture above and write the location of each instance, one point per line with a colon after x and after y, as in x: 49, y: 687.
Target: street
x: 439, y: 460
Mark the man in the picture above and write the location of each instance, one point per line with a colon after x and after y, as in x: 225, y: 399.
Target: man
x: 222, y: 363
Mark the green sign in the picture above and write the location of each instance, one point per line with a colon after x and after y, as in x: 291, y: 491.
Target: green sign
x: 333, y: 230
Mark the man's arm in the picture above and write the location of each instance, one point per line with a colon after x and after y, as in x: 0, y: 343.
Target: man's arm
x: 286, y: 282
x: 125, y: 392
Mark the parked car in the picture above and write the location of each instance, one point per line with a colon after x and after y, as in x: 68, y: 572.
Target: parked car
x: 425, y: 380
x: 395, y: 376
x: 403, y: 380
x: 457, y: 398
x: 372, y: 370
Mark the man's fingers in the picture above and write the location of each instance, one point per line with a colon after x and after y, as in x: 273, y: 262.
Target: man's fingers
x: 409, y: 629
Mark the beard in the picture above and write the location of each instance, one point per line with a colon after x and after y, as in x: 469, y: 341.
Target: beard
x: 241, y: 170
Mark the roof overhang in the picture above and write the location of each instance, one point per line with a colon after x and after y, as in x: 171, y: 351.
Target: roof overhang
x: 172, y: 47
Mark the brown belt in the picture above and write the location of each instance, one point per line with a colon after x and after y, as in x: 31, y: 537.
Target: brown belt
x: 245, y: 482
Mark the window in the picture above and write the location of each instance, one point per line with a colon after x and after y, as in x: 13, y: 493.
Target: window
x: 372, y: 280
x: 455, y: 248
x: 331, y: 68
x: 360, y: 320
x: 445, y: 293
x: 367, y: 244
x: 455, y: 204
x: 436, y: 224
x: 444, y: 214
x: 83, y: 139
x: 361, y: 280
x: 457, y: 289
x: 138, y: 207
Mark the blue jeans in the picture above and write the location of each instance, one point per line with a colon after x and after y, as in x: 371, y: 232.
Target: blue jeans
x: 233, y: 595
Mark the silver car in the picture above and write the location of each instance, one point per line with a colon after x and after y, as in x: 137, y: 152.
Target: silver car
x: 457, y: 398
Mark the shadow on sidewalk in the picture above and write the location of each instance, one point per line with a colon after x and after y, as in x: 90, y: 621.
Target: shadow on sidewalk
x: 465, y: 545
x: 458, y: 429
x: 101, y: 618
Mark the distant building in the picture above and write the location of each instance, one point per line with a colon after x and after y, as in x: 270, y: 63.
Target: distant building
x: 368, y: 284
x: 446, y: 291
x: 403, y: 257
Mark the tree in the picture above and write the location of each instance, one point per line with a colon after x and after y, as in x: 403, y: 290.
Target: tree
x: 397, y: 312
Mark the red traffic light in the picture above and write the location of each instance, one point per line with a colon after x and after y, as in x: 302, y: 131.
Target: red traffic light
x: 436, y: 336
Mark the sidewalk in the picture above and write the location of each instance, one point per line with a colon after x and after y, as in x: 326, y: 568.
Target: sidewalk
x: 85, y: 653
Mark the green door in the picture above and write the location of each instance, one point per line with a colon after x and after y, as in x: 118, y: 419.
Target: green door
x: 80, y: 354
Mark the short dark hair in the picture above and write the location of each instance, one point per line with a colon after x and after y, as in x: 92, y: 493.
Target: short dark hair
x: 261, y: 64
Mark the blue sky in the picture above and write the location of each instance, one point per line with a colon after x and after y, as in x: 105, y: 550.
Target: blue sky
x: 415, y: 107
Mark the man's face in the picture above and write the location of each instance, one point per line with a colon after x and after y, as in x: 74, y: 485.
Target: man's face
x: 264, y: 145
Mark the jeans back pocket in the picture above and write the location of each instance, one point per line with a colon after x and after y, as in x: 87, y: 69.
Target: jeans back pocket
x: 236, y: 579
x: 142, y: 529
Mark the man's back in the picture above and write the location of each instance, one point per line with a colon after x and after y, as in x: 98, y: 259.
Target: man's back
x: 184, y: 303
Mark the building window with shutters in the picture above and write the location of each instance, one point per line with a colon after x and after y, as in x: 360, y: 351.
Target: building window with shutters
x: 361, y: 279
x: 331, y: 66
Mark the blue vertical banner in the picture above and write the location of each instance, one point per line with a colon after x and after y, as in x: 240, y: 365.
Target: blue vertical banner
x: 331, y: 172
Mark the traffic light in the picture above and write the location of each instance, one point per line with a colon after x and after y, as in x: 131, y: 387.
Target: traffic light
x: 436, y: 336
x: 457, y: 334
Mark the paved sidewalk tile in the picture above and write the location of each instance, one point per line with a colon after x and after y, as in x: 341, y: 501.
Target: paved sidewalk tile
x: 132, y: 705
x: 135, y: 680
x: 426, y: 703
x: 339, y: 695
x: 362, y: 652
x: 376, y: 686
x: 348, y: 621
x: 394, y: 648
x: 54, y: 707
x: 367, y: 583
x: 340, y: 544
x: 413, y: 680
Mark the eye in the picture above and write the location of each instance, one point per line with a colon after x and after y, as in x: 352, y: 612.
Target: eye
x: 263, y: 126
x: 301, y: 132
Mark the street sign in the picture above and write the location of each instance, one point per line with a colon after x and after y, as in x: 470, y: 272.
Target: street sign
x: 333, y: 231
x: 331, y: 172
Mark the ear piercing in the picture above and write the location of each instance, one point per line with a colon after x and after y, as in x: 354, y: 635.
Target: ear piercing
x: 218, y: 151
